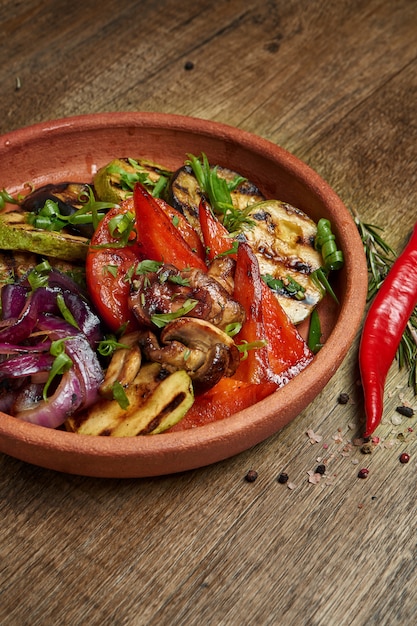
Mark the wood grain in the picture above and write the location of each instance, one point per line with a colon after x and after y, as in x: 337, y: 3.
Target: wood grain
x: 335, y: 83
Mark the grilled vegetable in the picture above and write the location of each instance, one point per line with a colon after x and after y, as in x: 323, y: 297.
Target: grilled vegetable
x: 204, y: 351
x: 157, y: 401
x: 185, y: 194
x: 282, y: 239
x: 17, y: 234
x: 115, y: 181
x: 69, y: 197
x: 124, y: 365
x: 14, y: 265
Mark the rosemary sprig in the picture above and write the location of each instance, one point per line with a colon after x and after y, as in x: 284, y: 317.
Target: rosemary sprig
x: 380, y: 257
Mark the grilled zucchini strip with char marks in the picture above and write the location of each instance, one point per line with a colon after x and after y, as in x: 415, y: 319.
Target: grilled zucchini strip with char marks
x: 283, y: 241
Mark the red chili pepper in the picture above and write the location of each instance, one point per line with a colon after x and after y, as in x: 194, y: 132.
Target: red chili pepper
x: 383, y: 328
x: 157, y: 236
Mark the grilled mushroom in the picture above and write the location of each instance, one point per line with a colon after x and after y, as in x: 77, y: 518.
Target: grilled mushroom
x: 167, y: 290
x: 204, y: 351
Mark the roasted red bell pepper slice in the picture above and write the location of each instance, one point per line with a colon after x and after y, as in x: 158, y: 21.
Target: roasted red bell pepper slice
x: 106, y: 272
x: 184, y: 227
x: 157, y: 236
x: 217, y: 239
x: 286, y: 352
x: 224, y: 399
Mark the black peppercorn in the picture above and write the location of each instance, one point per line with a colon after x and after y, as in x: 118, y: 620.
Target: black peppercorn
x: 343, y: 398
x: 282, y: 478
x: 320, y: 469
x: 407, y: 411
x: 188, y: 65
x: 251, y: 476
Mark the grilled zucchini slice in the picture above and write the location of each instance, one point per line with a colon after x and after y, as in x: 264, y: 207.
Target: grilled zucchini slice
x: 115, y: 181
x: 157, y: 401
x: 282, y: 239
x: 184, y: 193
x: 17, y: 234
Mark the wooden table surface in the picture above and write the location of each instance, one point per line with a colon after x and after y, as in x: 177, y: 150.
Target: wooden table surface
x: 335, y: 83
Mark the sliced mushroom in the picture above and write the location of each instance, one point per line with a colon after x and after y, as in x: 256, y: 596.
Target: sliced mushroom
x: 222, y: 270
x: 224, y: 309
x: 124, y: 365
x: 168, y: 289
x: 204, y: 351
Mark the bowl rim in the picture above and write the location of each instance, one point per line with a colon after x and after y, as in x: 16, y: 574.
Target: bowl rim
x: 234, y: 428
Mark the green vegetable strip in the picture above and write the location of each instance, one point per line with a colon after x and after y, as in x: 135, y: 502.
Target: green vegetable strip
x: 325, y: 242
x: 314, y: 334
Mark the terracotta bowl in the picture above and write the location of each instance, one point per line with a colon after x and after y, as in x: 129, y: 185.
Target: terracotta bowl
x: 73, y: 149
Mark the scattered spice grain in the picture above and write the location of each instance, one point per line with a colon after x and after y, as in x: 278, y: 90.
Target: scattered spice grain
x: 367, y: 448
x: 363, y: 473
x: 283, y: 478
x: 320, y: 469
x: 407, y: 411
x: 251, y: 476
x: 188, y: 65
x: 343, y: 398
x: 404, y: 457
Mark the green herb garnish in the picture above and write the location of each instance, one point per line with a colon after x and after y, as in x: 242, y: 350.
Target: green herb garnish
x: 162, y: 319
x: 119, y: 394
x: 287, y: 286
x: 61, y: 364
x: 218, y: 192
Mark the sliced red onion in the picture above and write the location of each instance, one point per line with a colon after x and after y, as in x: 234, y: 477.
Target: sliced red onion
x: 88, y: 322
x: 15, y: 331
x: 11, y: 348
x: 26, y: 365
x: 85, y: 360
x: 61, y: 281
x: 63, y: 403
x: 37, y: 311
x: 13, y: 299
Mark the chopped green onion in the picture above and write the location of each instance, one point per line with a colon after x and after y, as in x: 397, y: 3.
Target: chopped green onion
x: 233, y: 329
x: 321, y: 281
x: 119, y: 394
x: 50, y: 218
x: 147, y: 266
x: 122, y: 226
x: 287, y: 286
x: 65, y: 312
x: 179, y: 280
x: 252, y: 345
x: 110, y: 269
x: 325, y: 243
x: 232, y: 250
x: 162, y: 319
x: 6, y: 198
x: 39, y: 275
x: 107, y: 346
x: 140, y: 174
x: 218, y: 191
x: 61, y: 364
